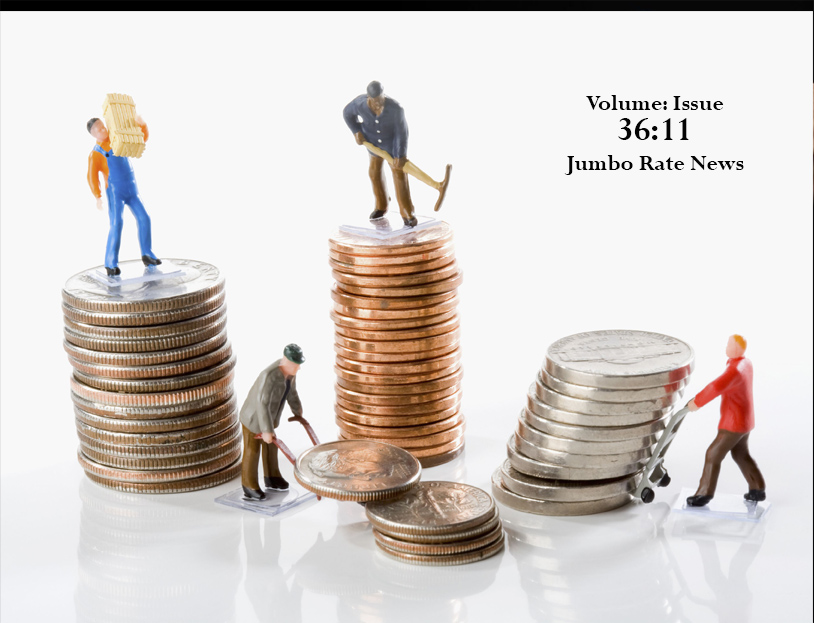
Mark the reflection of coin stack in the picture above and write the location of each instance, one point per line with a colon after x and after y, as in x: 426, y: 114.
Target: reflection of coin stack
x: 591, y: 421
x: 153, y: 377
x: 398, y: 360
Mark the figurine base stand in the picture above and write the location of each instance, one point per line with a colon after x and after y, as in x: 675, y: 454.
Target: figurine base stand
x: 134, y: 273
x: 276, y: 502
x: 726, y: 506
x: 390, y: 229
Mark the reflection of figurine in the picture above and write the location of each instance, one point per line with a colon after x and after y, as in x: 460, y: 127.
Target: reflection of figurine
x: 378, y: 123
x: 260, y: 416
x: 737, y: 420
x: 120, y: 185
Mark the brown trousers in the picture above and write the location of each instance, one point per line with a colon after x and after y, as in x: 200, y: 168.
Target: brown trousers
x: 401, y: 182
x: 738, y: 445
x: 251, y: 455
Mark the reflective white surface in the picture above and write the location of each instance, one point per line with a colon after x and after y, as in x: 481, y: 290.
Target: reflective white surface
x: 75, y: 551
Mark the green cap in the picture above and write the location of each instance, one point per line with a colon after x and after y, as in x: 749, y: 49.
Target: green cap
x: 293, y: 353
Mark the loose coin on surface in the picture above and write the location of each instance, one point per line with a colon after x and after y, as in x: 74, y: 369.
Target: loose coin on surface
x: 569, y: 446
x: 619, y: 359
x: 360, y: 471
x: 611, y: 395
x: 564, y: 490
x: 589, y: 407
x: 537, y: 407
x: 545, y: 507
x: 451, y: 559
x: 433, y: 507
x: 590, y: 433
x: 440, y: 549
x: 195, y: 283
x: 414, y: 241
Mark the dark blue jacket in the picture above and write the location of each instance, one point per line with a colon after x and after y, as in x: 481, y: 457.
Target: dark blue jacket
x: 388, y: 130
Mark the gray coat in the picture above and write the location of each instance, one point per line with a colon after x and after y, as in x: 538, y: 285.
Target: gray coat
x: 263, y: 406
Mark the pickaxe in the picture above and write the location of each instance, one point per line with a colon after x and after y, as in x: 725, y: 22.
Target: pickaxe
x: 417, y: 173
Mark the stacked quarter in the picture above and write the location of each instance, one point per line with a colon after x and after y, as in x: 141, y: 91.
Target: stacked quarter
x: 591, y: 420
x: 438, y: 523
x: 152, y: 385
x: 398, y: 360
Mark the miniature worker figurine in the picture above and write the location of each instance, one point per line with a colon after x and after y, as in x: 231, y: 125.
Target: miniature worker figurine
x: 737, y: 420
x: 260, y: 416
x: 379, y: 120
x: 120, y: 185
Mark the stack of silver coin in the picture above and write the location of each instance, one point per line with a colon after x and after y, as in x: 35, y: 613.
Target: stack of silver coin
x: 153, y: 375
x: 591, y: 420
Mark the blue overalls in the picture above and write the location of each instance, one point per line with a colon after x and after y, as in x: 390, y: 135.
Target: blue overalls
x: 121, y: 191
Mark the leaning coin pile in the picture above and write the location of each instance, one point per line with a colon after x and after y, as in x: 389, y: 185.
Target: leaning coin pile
x: 152, y: 385
x: 398, y: 360
x: 592, y: 418
x: 438, y: 523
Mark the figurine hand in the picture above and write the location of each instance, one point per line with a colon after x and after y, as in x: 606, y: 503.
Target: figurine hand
x: 269, y: 437
x: 360, y: 138
x: 692, y: 406
x: 139, y: 120
x: 98, y: 203
x: 398, y: 163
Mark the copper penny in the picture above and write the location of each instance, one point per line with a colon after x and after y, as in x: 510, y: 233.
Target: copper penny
x: 418, y: 333
x: 450, y: 559
x: 436, y: 287
x: 214, y: 479
x: 399, y: 432
x: 397, y: 400
x: 416, y: 367
x: 386, y: 314
x: 489, y: 524
x: 394, y: 379
x: 140, y: 319
x: 158, y: 399
x: 389, y: 325
x: 417, y: 419
x: 450, y: 380
x: 346, y: 299
x: 355, y: 408
x: 399, y: 346
x: 164, y: 370
x: 441, y: 459
x: 372, y: 270
x: 416, y: 443
x: 421, y: 452
x: 441, y: 549
x: 124, y: 412
x: 381, y: 358
x: 391, y: 260
x: 396, y: 281
x: 410, y: 243
x: 169, y: 424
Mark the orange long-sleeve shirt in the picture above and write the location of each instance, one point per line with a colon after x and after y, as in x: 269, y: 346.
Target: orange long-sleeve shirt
x: 735, y: 388
x: 97, y: 163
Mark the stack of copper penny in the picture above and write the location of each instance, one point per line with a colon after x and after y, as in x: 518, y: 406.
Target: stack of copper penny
x: 397, y: 336
x: 153, y: 375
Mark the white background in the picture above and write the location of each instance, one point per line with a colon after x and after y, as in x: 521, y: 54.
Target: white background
x: 250, y: 167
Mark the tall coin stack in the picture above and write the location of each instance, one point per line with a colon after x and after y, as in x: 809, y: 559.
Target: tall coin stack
x: 592, y: 418
x: 398, y: 360
x: 152, y: 385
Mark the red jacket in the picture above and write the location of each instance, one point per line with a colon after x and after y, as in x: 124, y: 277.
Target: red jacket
x: 735, y: 388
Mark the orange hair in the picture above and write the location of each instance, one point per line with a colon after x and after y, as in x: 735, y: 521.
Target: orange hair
x: 740, y: 341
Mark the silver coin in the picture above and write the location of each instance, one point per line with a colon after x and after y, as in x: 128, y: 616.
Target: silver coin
x: 589, y: 407
x: 135, y: 436
x: 611, y: 395
x: 159, y: 412
x: 154, y: 450
x: 564, y: 490
x: 173, y: 383
x: 592, y: 433
x: 91, y: 331
x: 619, y: 359
x: 546, y: 507
x: 142, y: 319
x: 541, y: 469
x: 167, y: 422
x: 146, y: 345
x: 197, y: 282
x: 148, y: 358
x: 565, y: 459
x: 594, y: 448
x: 538, y: 407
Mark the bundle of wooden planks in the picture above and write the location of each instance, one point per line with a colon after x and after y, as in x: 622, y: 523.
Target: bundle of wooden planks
x: 126, y: 137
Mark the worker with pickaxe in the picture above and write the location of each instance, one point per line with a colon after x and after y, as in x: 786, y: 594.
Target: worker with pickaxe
x: 378, y: 123
x: 260, y: 416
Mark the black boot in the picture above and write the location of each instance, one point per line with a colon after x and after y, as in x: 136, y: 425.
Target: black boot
x: 698, y: 500
x: 112, y: 272
x: 278, y: 483
x: 377, y: 214
x: 410, y: 222
x: 755, y: 495
x: 150, y: 261
x: 253, y: 494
